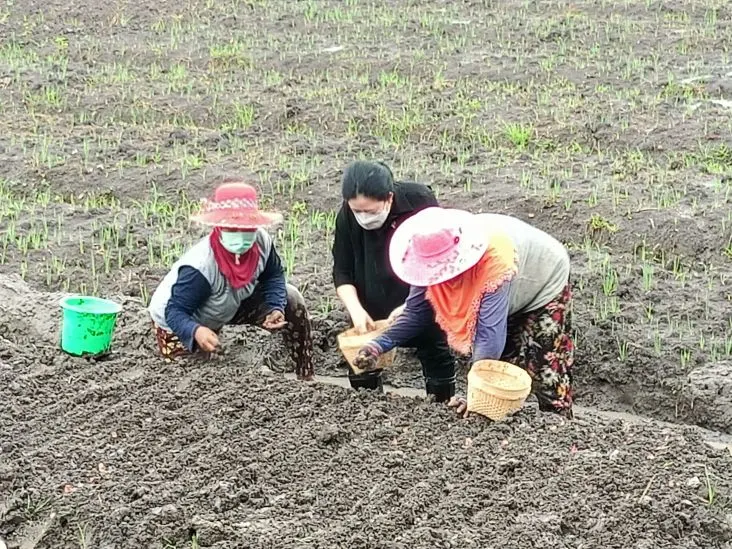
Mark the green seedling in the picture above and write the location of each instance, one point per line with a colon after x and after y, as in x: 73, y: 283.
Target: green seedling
x: 606, y: 308
x: 519, y: 135
x: 290, y: 241
x: 326, y: 306
x: 598, y: 224
x: 119, y: 19
x: 648, y: 271
x: 685, y: 357
x: 555, y: 190
x: 526, y: 180
x: 648, y: 309
x: 622, y: 350
x: 610, y: 281
x: 710, y: 486
x: 715, y: 353
x: 84, y: 536
x: 144, y: 294
x: 243, y: 116
x: 233, y: 54
x: 678, y: 92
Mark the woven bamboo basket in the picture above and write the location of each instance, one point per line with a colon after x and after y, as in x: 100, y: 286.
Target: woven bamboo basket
x: 350, y: 343
x: 496, y: 388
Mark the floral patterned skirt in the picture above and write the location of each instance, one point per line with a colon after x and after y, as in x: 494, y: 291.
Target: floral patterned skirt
x: 168, y: 343
x: 541, y: 343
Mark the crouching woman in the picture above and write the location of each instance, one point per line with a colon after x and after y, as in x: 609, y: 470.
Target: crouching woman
x: 497, y: 286
x: 232, y: 276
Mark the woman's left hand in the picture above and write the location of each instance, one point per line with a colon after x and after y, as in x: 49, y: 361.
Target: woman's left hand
x: 460, y: 404
x: 274, y: 321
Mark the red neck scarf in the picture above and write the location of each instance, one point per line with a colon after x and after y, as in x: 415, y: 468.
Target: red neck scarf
x: 238, y: 270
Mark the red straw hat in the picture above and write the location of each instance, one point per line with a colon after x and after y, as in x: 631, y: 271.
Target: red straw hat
x: 436, y: 245
x: 235, y: 206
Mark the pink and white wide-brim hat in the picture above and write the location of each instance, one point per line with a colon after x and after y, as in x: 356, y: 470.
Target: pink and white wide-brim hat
x: 436, y: 245
x: 235, y: 206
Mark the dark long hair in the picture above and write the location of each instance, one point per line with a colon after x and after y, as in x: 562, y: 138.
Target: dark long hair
x: 369, y: 179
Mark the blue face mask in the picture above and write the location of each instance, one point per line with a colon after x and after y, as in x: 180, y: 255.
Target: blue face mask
x: 238, y: 243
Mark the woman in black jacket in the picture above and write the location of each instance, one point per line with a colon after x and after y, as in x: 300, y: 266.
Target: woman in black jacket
x: 373, y: 206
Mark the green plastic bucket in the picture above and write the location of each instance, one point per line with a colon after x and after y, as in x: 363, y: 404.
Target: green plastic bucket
x: 88, y: 324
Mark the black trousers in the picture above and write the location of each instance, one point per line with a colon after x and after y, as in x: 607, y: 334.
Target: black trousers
x: 438, y: 365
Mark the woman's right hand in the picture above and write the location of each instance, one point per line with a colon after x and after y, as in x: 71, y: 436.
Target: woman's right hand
x: 368, y: 357
x: 206, y: 339
x: 362, y: 321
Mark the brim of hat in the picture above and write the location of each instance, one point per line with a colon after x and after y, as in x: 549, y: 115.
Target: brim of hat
x: 237, y: 220
x: 417, y: 272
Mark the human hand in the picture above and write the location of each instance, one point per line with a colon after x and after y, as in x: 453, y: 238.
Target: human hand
x: 460, y: 404
x: 368, y: 357
x: 274, y: 321
x: 362, y: 322
x: 396, y: 313
x: 206, y: 339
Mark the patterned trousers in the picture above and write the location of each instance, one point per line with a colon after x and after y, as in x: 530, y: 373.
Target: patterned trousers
x: 541, y: 343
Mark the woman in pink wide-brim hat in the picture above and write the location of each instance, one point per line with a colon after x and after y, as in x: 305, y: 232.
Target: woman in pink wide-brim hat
x: 234, y: 275
x: 497, y: 286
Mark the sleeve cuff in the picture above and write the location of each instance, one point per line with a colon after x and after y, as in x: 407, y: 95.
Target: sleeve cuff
x: 188, y: 338
x: 342, y: 280
x: 275, y: 305
x: 382, y: 344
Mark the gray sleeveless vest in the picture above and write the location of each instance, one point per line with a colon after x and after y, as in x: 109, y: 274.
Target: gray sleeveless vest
x: 220, y: 308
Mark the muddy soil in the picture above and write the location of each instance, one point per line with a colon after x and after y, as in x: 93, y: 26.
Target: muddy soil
x: 132, y: 452
x: 628, y: 163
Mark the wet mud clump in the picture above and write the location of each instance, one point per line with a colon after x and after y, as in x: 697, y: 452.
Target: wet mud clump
x: 131, y: 451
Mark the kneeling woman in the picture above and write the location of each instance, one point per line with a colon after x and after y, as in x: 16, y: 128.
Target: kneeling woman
x: 232, y: 276
x: 497, y: 286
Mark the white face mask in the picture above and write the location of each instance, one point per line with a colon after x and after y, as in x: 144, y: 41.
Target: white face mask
x: 372, y: 221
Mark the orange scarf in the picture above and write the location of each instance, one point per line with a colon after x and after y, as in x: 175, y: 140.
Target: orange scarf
x: 457, y: 301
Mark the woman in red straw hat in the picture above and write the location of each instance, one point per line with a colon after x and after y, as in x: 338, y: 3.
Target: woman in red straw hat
x: 232, y: 276
x: 497, y: 286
